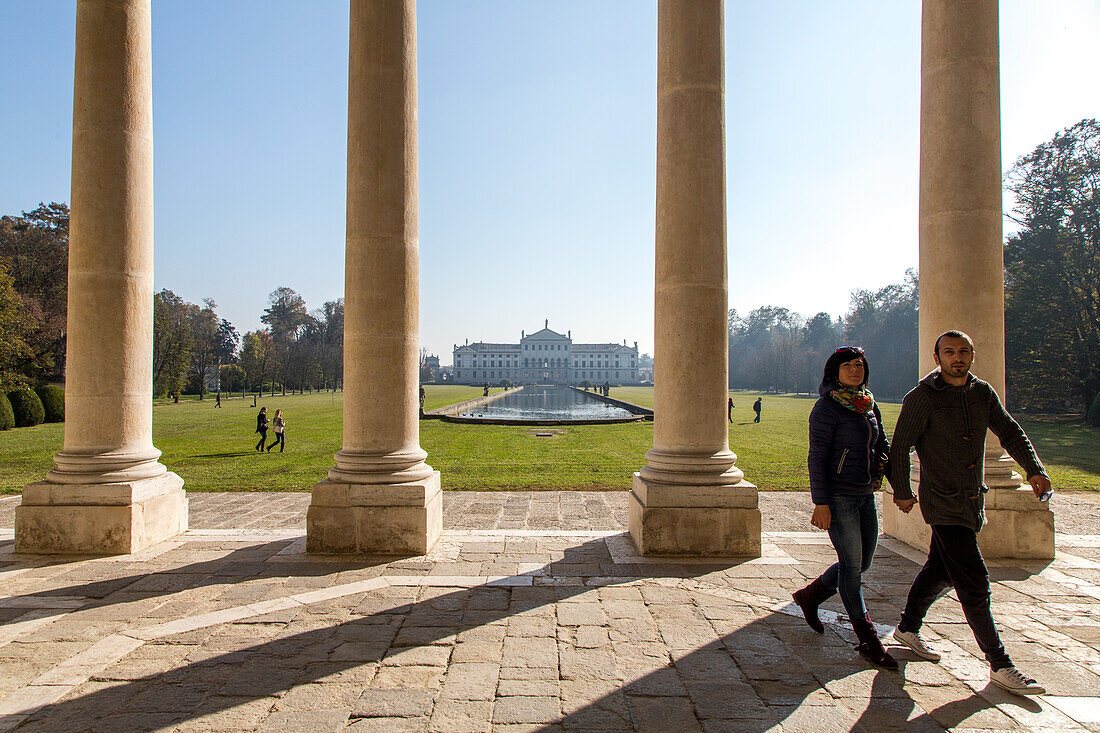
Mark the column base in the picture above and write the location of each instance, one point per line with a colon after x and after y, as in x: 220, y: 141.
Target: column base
x: 719, y: 521
x: 375, y: 519
x: 1017, y: 525
x: 100, y: 519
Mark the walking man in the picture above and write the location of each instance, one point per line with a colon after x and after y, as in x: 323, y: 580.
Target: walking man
x: 756, y: 409
x: 729, y: 409
x: 945, y: 417
x: 218, y: 400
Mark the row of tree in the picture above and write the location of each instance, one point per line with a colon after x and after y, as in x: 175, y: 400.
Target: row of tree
x: 1052, y: 299
x: 1052, y: 309
x: 195, y: 351
x: 776, y: 349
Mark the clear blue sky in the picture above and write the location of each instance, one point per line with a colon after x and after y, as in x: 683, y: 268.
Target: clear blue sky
x: 537, y: 147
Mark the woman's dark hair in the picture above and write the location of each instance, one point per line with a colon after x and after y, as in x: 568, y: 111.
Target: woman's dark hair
x: 830, y: 378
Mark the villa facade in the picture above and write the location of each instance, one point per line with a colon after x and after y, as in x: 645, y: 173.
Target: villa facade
x: 546, y: 357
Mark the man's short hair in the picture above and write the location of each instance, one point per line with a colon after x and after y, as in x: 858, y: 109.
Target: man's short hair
x: 955, y: 335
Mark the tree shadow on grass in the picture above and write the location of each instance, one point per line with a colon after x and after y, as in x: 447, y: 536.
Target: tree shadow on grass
x: 758, y: 668
x: 1071, y: 444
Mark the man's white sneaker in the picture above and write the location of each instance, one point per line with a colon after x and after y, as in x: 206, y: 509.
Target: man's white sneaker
x: 1016, y: 682
x: 912, y: 640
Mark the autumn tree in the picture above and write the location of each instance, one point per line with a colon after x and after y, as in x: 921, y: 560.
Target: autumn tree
x: 256, y: 358
x: 285, y: 314
x: 172, y: 342
x: 205, y: 344
x: 330, y: 323
x: 34, y: 250
x: 17, y: 324
x: 227, y: 341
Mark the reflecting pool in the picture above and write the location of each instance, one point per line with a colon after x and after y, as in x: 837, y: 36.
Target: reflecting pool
x: 549, y: 403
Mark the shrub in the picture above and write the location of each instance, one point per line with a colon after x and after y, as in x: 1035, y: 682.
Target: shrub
x: 7, y: 418
x: 53, y: 402
x: 1094, y: 411
x: 26, y: 407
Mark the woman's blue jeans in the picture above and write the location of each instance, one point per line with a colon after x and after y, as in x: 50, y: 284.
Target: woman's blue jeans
x: 854, y: 532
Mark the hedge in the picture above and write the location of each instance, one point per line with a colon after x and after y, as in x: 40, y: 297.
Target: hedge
x: 1094, y: 411
x: 7, y: 417
x: 26, y: 407
x: 53, y: 402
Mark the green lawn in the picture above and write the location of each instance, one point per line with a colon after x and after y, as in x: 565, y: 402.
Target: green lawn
x: 772, y: 453
x: 213, y: 448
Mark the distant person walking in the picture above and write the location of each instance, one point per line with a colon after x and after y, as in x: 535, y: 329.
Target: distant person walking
x: 261, y: 428
x: 729, y: 409
x: 280, y: 432
x: 486, y: 392
x: 423, y: 395
x: 756, y: 409
x: 945, y: 418
x: 847, y: 454
x: 218, y: 400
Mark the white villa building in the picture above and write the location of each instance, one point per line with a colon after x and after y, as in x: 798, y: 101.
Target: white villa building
x: 546, y: 357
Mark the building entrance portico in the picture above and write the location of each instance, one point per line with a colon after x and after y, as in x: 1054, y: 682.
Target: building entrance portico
x: 109, y: 493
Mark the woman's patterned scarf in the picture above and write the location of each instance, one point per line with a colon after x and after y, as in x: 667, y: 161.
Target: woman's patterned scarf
x: 862, y: 401
x: 857, y: 400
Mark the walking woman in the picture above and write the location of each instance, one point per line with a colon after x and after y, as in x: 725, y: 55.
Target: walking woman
x: 280, y: 432
x: 261, y: 428
x: 848, y: 447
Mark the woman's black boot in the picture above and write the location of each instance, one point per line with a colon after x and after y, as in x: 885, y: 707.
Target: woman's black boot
x: 808, y: 599
x: 870, y: 646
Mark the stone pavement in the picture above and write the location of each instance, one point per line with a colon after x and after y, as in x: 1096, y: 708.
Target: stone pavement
x: 533, y: 613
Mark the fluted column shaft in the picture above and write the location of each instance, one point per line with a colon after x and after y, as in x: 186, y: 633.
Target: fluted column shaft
x: 960, y: 220
x: 109, y: 339
x: 382, y: 290
x: 690, y: 498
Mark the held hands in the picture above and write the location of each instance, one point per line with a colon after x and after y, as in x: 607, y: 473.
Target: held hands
x: 1040, y: 484
x: 822, y: 517
x: 906, y: 505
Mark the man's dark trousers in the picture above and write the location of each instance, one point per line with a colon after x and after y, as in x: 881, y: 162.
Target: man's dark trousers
x: 955, y: 560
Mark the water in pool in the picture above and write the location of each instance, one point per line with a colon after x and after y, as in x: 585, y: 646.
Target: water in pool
x: 548, y: 403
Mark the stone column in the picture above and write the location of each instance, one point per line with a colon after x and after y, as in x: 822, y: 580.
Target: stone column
x: 690, y: 498
x: 381, y: 497
x: 108, y: 492
x: 961, y: 249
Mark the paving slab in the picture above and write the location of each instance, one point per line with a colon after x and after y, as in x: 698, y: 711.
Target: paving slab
x: 516, y: 622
